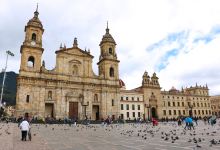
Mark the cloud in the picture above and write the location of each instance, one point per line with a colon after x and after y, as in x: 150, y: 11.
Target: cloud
x: 177, y: 39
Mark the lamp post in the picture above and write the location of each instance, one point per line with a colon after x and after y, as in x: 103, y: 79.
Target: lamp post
x: 3, y: 82
x: 84, y: 104
x: 191, y: 111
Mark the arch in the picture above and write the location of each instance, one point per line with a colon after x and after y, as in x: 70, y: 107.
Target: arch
x: 154, y: 112
x: 111, y: 72
x: 110, y: 50
x: 75, y: 70
x: 30, y: 62
x: 33, y: 37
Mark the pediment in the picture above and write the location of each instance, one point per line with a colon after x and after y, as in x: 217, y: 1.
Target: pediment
x: 75, y: 51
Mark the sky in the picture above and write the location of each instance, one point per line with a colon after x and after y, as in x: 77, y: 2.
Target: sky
x: 177, y: 39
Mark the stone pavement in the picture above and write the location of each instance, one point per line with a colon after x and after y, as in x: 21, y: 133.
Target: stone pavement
x: 166, y: 136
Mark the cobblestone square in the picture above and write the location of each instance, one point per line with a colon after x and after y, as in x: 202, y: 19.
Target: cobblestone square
x: 166, y: 136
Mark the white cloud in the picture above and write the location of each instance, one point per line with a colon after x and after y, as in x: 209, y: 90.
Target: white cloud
x: 135, y: 25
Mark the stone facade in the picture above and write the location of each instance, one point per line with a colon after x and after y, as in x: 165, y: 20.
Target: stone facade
x: 193, y: 101
x: 73, y: 90
x: 215, y: 105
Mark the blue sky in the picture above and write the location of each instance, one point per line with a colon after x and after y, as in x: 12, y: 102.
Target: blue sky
x: 179, y: 40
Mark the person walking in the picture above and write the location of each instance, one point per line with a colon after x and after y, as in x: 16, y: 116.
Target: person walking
x: 24, y: 126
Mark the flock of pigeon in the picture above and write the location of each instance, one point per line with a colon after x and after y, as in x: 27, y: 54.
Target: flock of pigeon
x: 203, y: 136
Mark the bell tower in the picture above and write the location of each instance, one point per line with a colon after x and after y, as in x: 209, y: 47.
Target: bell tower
x: 31, y: 49
x: 108, y: 63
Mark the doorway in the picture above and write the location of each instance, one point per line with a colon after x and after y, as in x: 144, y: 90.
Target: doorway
x: 73, y: 110
x: 95, y: 112
x: 153, y: 112
x: 49, y: 110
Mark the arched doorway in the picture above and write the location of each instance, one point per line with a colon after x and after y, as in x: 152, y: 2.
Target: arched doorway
x: 154, y: 112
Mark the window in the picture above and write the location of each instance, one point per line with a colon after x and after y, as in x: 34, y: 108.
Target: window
x: 127, y: 114
x: 111, y: 72
x: 139, y: 114
x: 122, y: 116
x: 127, y: 107
x: 139, y: 107
x: 50, y: 95
x: 194, y: 105
x: 137, y: 98
x: 110, y: 50
x: 199, y: 112
x: 28, y: 98
x: 121, y: 98
x: 168, y: 96
x: 126, y: 98
x: 170, y: 113
x: 201, y: 104
x: 178, y: 103
x: 133, y: 114
x: 195, y: 112
x: 188, y: 103
x: 183, y: 104
x: 133, y: 107
x: 174, y: 112
x: 168, y: 103
x: 197, y: 104
x: 132, y: 98
x: 206, y: 112
x: 164, y: 112
x: 205, y: 105
x: 203, y: 112
x: 96, y: 98
x: 113, y: 102
x: 173, y: 103
x: 184, y: 112
x: 122, y: 107
x: 179, y: 112
x: 75, y: 70
x: 33, y: 37
x: 210, y: 112
x: 30, y: 62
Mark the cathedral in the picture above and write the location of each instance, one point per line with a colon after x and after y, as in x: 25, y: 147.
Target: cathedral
x: 73, y: 90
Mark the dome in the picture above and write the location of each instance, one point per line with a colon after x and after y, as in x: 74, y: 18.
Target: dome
x: 121, y: 83
x: 173, y: 90
x: 35, y: 22
x: 107, y: 37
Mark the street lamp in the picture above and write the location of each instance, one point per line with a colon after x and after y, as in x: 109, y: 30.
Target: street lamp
x: 3, y: 82
x: 191, y: 112
x: 81, y: 97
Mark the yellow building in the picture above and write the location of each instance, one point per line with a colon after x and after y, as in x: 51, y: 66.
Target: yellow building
x: 215, y: 105
x: 73, y: 90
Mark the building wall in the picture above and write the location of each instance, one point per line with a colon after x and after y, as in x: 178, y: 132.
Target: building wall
x: 215, y: 105
x: 131, y: 105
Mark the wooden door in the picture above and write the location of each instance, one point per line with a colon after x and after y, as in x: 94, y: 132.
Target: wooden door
x: 73, y: 110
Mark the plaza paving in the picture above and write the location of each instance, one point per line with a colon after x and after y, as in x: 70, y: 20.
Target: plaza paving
x: 166, y: 136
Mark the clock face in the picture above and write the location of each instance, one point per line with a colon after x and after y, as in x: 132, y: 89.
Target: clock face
x: 33, y: 43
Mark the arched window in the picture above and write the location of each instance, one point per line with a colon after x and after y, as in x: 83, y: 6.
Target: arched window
x: 75, y: 70
x: 111, y: 72
x: 50, y: 95
x: 110, y: 50
x: 30, y: 62
x: 96, y: 98
x: 27, y: 98
x: 33, y: 37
